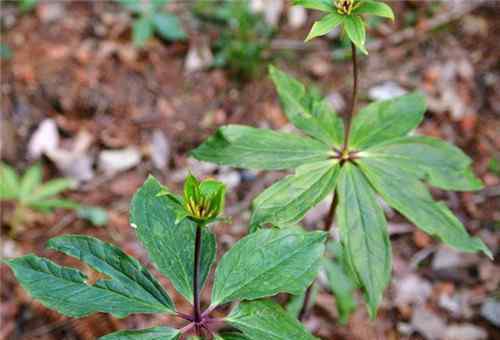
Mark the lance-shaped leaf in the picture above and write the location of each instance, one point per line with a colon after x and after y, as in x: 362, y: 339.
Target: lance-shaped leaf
x: 355, y: 29
x: 363, y: 233
x: 288, y: 200
x: 128, y: 276
x: 411, y: 198
x: 441, y: 164
x: 156, y: 333
x: 266, y: 320
x: 341, y: 282
x: 170, y: 245
x: 231, y: 335
x: 30, y: 181
x: 9, y: 182
x: 321, y: 5
x: 374, y: 8
x: 383, y: 120
x: 268, y: 262
x: 66, y: 289
x: 142, y: 30
x: 168, y: 26
x: 306, y: 110
x: 247, y: 147
x: 325, y: 25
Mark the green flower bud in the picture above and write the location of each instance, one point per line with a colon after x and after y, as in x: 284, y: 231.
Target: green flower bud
x: 203, y: 201
x: 345, y: 7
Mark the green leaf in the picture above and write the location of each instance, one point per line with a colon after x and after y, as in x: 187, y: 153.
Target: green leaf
x: 325, y: 25
x: 410, y: 197
x: 142, y: 30
x: 363, y: 234
x: 48, y: 205
x: 9, y: 182
x: 156, y: 333
x: 266, y: 320
x: 374, y: 8
x: 51, y: 188
x: 296, y: 303
x: 5, y: 52
x: 248, y: 147
x: 95, y: 215
x: 268, y: 262
x: 66, y: 290
x: 306, y: 111
x: 168, y: 26
x: 231, y: 336
x: 30, y: 181
x: 341, y: 282
x: 321, y: 5
x: 441, y: 164
x: 128, y: 277
x: 355, y: 29
x: 27, y: 5
x: 170, y: 245
x: 387, y: 119
x: 288, y: 200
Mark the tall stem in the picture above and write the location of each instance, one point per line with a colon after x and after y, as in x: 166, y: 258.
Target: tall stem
x: 196, y: 277
x: 331, y: 212
x: 352, y: 106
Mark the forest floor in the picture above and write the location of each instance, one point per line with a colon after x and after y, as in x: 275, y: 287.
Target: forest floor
x: 73, y: 64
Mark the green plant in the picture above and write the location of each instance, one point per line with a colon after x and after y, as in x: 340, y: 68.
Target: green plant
x: 29, y: 193
x: 150, y: 18
x: 356, y: 160
x: 176, y: 232
x: 243, y: 39
x: 27, y: 5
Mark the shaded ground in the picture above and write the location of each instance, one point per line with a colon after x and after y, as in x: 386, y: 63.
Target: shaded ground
x: 79, y: 69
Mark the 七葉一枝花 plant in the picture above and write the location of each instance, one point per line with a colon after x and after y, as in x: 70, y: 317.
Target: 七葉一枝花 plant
x: 357, y: 159
x: 183, y: 249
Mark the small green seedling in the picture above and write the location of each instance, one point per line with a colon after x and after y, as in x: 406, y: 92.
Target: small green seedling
x: 27, y: 5
x: 357, y: 160
x: 29, y: 193
x: 150, y: 18
x: 260, y: 265
x: 243, y: 37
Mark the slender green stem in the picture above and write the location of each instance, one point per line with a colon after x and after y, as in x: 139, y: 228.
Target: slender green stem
x: 196, y: 277
x: 352, y: 106
x: 328, y: 222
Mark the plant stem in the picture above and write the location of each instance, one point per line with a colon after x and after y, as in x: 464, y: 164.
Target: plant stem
x: 352, y: 106
x: 331, y: 212
x: 196, y: 277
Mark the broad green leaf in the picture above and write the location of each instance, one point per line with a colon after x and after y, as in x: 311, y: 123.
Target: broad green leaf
x: 51, y: 188
x: 156, y: 333
x: 168, y: 26
x: 441, y: 164
x: 248, y: 147
x: 363, y: 234
x: 321, y: 5
x: 387, y: 119
x: 355, y: 29
x: 341, y: 282
x: 374, y: 8
x: 67, y: 290
x: 9, y: 182
x: 288, y: 200
x: 261, y: 319
x: 50, y: 204
x: 142, y: 30
x: 268, y: 262
x: 410, y: 197
x: 170, y: 245
x: 30, y: 181
x: 127, y: 276
x: 307, y: 112
x: 325, y: 25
